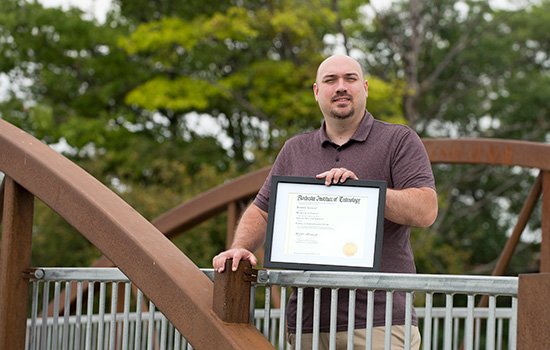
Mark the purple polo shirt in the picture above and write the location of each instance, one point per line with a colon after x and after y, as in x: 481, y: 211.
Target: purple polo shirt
x: 377, y: 151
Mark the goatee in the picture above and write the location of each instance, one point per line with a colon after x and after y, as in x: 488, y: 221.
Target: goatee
x: 336, y: 114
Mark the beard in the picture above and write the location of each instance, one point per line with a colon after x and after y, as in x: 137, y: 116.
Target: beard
x: 343, y: 112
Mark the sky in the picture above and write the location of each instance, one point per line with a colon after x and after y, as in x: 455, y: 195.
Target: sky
x: 96, y: 7
x: 100, y: 7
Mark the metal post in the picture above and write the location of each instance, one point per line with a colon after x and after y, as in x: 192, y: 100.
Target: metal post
x: 15, y: 258
x: 231, y: 300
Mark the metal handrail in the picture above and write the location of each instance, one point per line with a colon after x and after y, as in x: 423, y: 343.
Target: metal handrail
x: 272, y: 321
x: 464, y: 284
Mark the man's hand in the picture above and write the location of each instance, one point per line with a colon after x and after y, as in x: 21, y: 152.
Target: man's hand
x: 218, y: 262
x: 335, y: 175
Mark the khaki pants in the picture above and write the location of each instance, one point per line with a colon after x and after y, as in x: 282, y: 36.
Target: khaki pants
x: 359, y: 339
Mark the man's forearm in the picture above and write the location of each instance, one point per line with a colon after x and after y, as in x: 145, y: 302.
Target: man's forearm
x: 412, y: 206
x: 250, y: 233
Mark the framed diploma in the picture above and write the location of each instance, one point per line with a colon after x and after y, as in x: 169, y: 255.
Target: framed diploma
x: 312, y: 226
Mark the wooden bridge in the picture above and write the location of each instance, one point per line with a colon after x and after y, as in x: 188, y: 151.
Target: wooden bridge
x: 144, y: 252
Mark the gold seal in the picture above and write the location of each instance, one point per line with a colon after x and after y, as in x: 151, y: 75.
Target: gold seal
x: 350, y: 249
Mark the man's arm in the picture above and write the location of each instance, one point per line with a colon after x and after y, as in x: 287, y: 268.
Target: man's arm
x: 249, y: 237
x: 410, y: 206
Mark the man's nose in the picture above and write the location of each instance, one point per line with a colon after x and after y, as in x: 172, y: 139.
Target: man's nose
x: 341, y: 87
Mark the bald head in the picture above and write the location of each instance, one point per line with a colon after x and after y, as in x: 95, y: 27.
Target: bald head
x: 336, y: 61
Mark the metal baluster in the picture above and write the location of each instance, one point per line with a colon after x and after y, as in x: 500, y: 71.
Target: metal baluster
x: 267, y: 310
x: 435, y: 337
x: 252, y: 308
x: 282, y: 320
x: 389, y: 315
x: 351, y: 318
x: 125, y: 328
x: 316, y: 317
x: 469, y: 339
x: 45, y: 300
x: 456, y: 324
x: 427, y: 337
x: 512, y: 333
x: 101, y: 325
x: 78, y: 312
x: 114, y: 302
x: 56, y: 292
x: 163, y: 332
x: 408, y: 319
x: 273, y: 329
x: 89, y: 315
x: 499, y: 333
x: 333, y: 317
x: 491, y: 323
x: 139, y: 310
x: 177, y: 340
x: 448, y: 335
x: 34, y: 313
x: 66, y: 315
x: 299, y: 312
x: 370, y: 318
x: 478, y: 333
x: 150, y: 332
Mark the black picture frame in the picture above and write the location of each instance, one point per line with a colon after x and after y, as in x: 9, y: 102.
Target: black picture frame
x: 308, y: 221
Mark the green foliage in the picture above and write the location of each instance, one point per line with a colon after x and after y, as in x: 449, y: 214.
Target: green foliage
x: 121, y: 95
x: 180, y: 94
x: 472, y: 72
x: 56, y: 243
x: 385, y: 100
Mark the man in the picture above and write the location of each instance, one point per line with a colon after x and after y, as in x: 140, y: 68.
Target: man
x: 351, y: 144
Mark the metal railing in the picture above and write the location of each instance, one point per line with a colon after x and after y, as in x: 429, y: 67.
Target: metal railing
x: 94, y: 320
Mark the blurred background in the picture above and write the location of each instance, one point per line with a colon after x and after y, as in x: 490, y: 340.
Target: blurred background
x: 164, y: 99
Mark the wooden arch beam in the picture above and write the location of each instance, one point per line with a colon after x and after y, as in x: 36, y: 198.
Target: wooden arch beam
x: 133, y: 244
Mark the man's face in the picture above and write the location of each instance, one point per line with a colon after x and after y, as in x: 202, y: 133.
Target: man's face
x: 340, y: 88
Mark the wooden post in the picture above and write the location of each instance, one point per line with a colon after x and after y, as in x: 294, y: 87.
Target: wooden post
x: 234, y: 212
x: 2, y: 199
x: 232, y: 293
x: 545, y: 224
x: 15, y: 257
x: 533, y: 305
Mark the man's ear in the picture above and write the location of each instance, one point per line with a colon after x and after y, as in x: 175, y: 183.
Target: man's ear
x: 315, y: 91
x: 366, y: 88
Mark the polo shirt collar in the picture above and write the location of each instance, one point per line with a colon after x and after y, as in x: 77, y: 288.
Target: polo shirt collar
x: 360, y: 135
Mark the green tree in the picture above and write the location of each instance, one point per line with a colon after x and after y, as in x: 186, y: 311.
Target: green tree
x: 118, y: 98
x: 469, y: 71
x: 69, y: 80
x: 251, y: 65
x: 122, y: 96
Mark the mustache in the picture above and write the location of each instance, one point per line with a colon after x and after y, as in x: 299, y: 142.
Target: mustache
x: 342, y: 94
